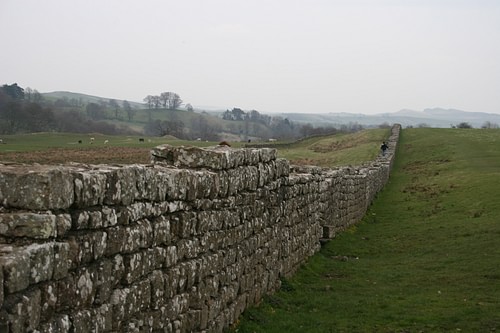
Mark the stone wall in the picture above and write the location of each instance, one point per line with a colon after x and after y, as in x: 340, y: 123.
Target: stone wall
x: 183, y: 244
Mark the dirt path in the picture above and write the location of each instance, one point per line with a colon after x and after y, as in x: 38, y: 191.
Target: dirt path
x: 106, y: 155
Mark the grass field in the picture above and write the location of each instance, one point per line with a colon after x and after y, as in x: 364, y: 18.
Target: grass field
x: 424, y: 259
x: 341, y: 149
x: 48, y: 148
x: 60, y: 148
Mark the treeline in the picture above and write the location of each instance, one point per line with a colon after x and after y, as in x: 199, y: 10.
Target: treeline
x: 25, y: 111
x: 168, y: 100
x: 281, y: 128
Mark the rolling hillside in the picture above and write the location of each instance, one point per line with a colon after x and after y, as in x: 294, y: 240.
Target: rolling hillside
x: 85, y: 98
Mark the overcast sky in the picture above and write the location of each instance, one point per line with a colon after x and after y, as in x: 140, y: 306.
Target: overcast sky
x: 362, y: 56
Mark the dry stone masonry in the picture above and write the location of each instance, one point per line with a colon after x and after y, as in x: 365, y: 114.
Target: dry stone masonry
x: 183, y: 244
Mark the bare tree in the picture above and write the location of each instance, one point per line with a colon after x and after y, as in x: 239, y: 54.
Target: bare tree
x: 129, y: 110
x: 149, y: 101
x: 464, y: 125
x: 114, y: 105
x: 164, y: 97
x: 95, y: 111
x: 37, y: 97
x: 489, y: 124
x: 170, y: 100
x: 28, y: 93
x: 175, y: 101
x: 156, y: 101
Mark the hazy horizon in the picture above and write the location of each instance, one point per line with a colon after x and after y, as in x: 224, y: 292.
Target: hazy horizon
x: 314, y: 56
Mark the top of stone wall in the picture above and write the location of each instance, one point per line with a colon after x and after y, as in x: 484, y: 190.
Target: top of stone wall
x: 215, y: 158
x: 178, y: 173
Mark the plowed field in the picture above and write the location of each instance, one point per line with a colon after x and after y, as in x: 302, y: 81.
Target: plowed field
x: 105, y: 155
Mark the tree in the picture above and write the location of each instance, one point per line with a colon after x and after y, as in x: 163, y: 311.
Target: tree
x: 175, y: 101
x: 149, y: 101
x: 170, y: 100
x: 14, y: 91
x: 156, y: 101
x: 164, y: 96
x: 234, y: 114
x: 189, y: 107
x: 95, y: 111
x: 464, y: 125
x: 161, y: 128
x: 62, y: 102
x: 115, y: 106
x: 203, y: 129
x: 129, y: 110
x: 37, y: 97
x: 489, y: 124
x: 28, y: 93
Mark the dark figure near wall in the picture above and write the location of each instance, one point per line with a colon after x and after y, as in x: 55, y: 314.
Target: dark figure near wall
x: 384, y: 147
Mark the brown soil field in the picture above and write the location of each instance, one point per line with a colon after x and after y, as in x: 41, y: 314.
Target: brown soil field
x: 105, y: 155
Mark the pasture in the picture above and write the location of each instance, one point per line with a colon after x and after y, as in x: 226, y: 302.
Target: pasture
x: 425, y: 258
x: 48, y: 148
x: 60, y: 148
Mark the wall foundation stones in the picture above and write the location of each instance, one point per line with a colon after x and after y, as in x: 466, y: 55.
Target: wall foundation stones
x: 184, y: 244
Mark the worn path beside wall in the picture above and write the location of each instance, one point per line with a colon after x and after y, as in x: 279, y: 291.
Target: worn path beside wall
x: 184, y: 244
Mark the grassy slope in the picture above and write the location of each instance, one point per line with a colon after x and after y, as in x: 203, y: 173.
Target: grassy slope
x: 340, y: 149
x: 425, y: 257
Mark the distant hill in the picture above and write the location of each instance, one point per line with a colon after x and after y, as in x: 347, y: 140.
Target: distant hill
x: 85, y: 98
x: 433, y: 117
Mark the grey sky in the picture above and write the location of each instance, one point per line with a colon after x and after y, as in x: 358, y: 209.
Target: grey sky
x: 269, y: 55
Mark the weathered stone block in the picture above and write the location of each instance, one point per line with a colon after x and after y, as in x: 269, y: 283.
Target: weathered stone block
x: 161, y: 231
x: 85, y: 283
x: 23, y: 312
x: 87, y: 246
x: 48, y: 300
x: 268, y: 154
x: 129, y: 239
x: 62, y: 261
x: 178, y: 183
x: 104, y: 281
x: 16, y: 268
x: 192, y: 157
x: 37, y: 188
x: 63, y: 224
x: 90, y: 188
x: 252, y: 156
x: 82, y: 321
x: 177, y: 305
x: 31, y: 225
x: 138, y: 265
x: 128, y: 301
x: 207, y: 184
x: 157, y: 289
x: 41, y: 262
x: 120, y: 186
x: 184, y: 224
x: 58, y: 324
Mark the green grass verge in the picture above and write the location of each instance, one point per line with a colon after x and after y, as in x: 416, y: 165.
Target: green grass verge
x: 334, y: 150
x: 425, y: 258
